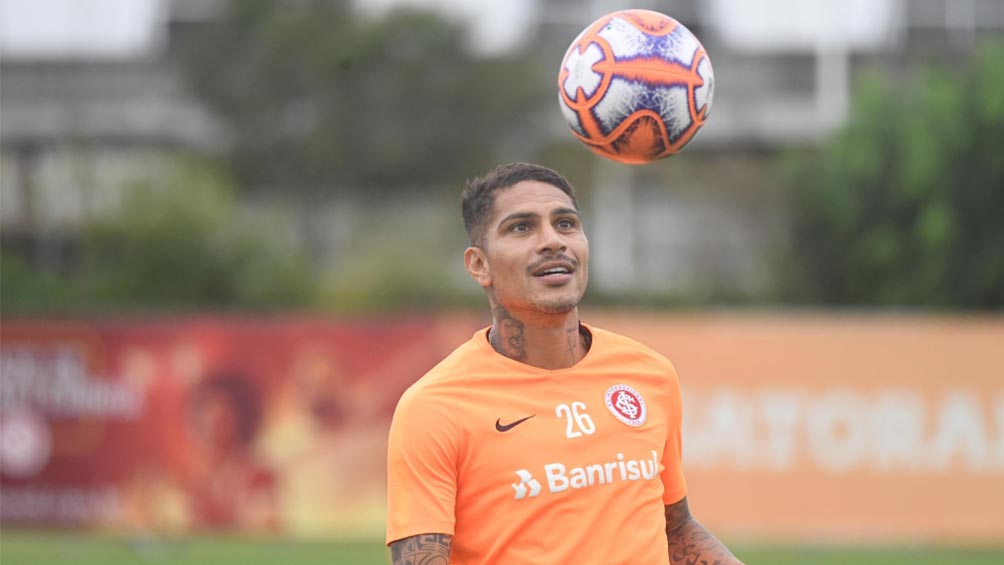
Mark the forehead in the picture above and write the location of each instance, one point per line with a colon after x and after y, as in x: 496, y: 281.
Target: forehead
x: 529, y: 196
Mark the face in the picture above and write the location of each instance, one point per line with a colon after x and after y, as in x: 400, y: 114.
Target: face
x: 217, y: 421
x: 535, y: 256
x: 322, y: 387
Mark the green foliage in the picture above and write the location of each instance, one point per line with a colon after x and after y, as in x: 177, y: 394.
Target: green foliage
x: 180, y: 243
x: 397, y: 278
x: 903, y: 207
x: 317, y: 97
x: 185, y: 242
x: 25, y: 289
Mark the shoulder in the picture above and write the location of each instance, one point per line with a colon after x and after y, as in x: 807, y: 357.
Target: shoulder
x: 626, y: 349
x: 647, y: 367
x: 467, y: 359
x: 442, y: 387
x: 432, y: 415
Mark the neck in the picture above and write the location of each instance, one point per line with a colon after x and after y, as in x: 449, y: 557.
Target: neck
x: 552, y: 342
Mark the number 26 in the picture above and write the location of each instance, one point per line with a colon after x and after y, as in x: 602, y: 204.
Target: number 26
x: 577, y: 418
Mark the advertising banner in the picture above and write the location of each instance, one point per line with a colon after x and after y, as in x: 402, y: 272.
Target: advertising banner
x: 840, y: 427
x: 203, y: 424
x: 802, y: 427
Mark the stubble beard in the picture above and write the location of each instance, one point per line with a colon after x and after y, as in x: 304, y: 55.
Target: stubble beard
x: 550, y: 306
x: 557, y: 306
x: 528, y: 303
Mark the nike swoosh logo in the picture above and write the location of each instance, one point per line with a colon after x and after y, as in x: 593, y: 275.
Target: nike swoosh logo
x: 505, y: 428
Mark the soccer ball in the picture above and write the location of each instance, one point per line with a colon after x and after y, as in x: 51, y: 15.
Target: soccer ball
x: 635, y: 86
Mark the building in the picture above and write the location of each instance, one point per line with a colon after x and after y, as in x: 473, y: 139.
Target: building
x: 76, y: 123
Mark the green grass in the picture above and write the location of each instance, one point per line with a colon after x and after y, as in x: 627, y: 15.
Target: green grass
x: 43, y: 548
x: 21, y: 547
x: 868, y: 556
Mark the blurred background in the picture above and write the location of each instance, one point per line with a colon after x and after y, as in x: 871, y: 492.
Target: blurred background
x: 231, y: 238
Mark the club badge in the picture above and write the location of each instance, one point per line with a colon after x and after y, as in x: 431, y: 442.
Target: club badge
x: 626, y: 405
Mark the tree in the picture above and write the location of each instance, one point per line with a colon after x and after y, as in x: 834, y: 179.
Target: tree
x: 317, y: 97
x: 184, y: 242
x: 903, y: 206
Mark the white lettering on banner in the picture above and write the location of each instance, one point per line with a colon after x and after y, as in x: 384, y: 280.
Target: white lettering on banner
x: 899, y: 433
x: 837, y: 430
x: 1000, y: 430
x: 55, y: 380
x: 960, y: 434
x: 725, y: 428
x: 781, y: 412
x: 58, y: 504
x: 841, y: 430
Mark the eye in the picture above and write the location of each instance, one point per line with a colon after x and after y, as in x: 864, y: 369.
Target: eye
x: 520, y: 227
x: 565, y: 224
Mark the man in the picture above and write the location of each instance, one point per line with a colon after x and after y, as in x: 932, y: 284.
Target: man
x: 542, y: 439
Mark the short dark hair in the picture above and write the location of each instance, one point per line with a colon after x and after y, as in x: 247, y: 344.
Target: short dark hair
x: 237, y: 391
x: 478, y: 198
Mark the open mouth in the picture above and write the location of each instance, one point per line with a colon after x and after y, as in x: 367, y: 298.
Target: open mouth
x: 554, y: 271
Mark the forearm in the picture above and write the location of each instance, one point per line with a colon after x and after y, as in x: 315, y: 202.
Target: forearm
x: 424, y: 549
x: 690, y: 543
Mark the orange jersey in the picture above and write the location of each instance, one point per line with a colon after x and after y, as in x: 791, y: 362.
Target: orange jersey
x: 528, y: 465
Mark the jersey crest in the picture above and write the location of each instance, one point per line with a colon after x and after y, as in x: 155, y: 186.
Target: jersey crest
x: 626, y: 404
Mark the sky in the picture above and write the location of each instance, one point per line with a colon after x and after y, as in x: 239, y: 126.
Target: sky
x: 496, y: 26
x: 123, y: 28
x: 53, y: 28
x: 804, y: 25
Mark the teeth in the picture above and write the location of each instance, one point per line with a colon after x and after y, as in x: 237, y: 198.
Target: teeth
x: 554, y: 271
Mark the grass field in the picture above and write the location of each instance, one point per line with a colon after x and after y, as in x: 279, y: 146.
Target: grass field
x: 19, y: 547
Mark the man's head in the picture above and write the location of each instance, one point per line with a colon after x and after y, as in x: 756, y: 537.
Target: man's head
x: 528, y: 248
x: 478, y: 199
x: 224, y: 411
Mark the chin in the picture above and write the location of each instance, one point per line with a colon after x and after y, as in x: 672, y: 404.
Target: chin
x: 558, y: 306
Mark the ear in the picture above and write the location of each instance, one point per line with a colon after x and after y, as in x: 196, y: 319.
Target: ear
x: 476, y: 263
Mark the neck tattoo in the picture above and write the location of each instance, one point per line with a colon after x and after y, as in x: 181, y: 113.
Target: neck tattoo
x: 506, y: 336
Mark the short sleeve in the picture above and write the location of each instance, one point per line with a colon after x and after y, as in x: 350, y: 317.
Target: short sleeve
x: 421, y: 468
x: 674, y: 485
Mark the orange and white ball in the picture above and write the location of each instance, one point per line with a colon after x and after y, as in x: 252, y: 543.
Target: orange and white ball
x: 636, y: 86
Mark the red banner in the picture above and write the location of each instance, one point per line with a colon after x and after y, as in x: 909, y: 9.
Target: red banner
x: 879, y: 428
x: 204, y: 423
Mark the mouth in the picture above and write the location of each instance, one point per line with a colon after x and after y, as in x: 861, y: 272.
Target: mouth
x: 555, y: 272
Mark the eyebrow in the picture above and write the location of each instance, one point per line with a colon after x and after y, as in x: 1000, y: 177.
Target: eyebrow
x: 527, y: 215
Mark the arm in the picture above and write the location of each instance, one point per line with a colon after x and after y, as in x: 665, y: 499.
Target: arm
x: 421, y: 481
x: 690, y: 543
x: 423, y: 549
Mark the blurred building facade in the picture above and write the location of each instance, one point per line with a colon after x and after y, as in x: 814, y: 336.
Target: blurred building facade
x: 75, y: 125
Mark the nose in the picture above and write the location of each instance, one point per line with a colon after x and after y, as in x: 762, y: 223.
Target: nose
x: 551, y: 241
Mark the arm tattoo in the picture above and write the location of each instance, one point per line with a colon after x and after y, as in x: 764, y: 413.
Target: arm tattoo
x: 423, y: 549
x: 690, y: 543
x: 507, y: 335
